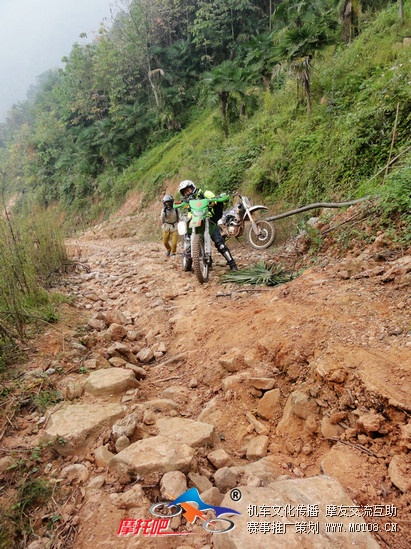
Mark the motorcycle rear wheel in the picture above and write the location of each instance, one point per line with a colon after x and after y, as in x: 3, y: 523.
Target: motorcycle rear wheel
x: 266, y: 236
x: 201, y: 265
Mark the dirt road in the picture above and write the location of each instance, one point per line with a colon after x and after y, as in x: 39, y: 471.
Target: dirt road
x: 339, y: 334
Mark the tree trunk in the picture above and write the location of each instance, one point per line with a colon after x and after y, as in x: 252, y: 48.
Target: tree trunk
x: 224, y: 95
x: 401, y: 10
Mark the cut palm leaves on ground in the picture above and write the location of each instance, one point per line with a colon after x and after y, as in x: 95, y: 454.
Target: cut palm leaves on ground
x: 259, y: 274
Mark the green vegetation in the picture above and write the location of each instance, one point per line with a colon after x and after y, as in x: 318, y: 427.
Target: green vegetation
x: 16, y: 524
x: 296, y: 101
x: 258, y: 274
x: 31, y: 254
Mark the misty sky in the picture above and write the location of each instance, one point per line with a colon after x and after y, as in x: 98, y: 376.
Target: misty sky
x: 36, y: 34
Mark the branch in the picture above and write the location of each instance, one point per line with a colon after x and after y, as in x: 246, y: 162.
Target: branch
x: 318, y: 205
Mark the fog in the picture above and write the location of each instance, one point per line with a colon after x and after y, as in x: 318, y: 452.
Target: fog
x: 36, y: 34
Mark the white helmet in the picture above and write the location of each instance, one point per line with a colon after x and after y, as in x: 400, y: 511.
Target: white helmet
x: 184, y: 184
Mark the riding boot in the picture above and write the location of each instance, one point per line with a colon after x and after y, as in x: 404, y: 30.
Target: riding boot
x: 225, y: 252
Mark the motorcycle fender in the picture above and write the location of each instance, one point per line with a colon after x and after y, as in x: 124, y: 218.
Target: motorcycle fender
x: 254, y: 209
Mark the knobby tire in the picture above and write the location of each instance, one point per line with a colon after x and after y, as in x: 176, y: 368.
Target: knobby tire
x: 200, y: 265
x: 265, y: 239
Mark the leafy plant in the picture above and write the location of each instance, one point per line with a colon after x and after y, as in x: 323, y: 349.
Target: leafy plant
x: 396, y: 194
x: 45, y: 399
x: 258, y: 274
x: 32, y: 493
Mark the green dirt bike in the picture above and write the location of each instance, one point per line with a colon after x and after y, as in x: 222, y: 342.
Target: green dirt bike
x: 196, y: 227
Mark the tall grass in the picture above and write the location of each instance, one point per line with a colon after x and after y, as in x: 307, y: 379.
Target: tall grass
x: 31, y: 251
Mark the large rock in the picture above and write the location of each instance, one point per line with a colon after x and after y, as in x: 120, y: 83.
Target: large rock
x: 146, y: 355
x: 282, y: 497
x: 258, y: 473
x: 262, y: 383
x: 269, y: 404
x: 219, y: 458
x: 399, y: 472
x: 158, y: 454
x: 188, y: 431
x: 233, y: 362
x: 120, y: 349
x: 117, y: 332
x: 127, y: 425
x: 74, y: 428
x: 342, y: 462
x: 134, y: 497
x: 257, y: 447
x: 173, y: 484
x: 112, y: 381
x: 298, y: 411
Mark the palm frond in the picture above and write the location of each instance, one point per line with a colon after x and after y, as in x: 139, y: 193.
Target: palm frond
x: 258, y: 274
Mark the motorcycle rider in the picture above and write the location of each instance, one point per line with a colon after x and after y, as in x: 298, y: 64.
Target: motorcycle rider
x: 169, y: 219
x: 189, y: 191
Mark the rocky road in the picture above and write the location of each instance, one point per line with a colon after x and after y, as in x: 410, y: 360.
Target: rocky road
x: 297, y: 395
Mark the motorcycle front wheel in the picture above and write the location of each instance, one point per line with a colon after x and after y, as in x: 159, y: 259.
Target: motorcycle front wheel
x: 201, y: 265
x: 265, y: 237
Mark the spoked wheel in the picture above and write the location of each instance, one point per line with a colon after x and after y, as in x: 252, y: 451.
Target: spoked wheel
x: 201, y: 265
x: 265, y: 237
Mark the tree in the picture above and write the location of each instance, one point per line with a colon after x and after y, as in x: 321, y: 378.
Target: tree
x: 401, y: 11
x: 257, y: 56
x: 221, y: 24
x: 228, y: 81
x: 309, y: 27
x: 350, y: 13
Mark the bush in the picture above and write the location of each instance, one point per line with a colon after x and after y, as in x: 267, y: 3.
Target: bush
x: 396, y: 194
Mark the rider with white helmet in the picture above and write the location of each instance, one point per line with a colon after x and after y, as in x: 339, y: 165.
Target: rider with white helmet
x: 189, y: 191
x: 187, y: 188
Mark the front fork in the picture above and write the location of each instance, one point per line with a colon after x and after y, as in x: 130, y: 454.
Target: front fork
x: 207, y: 239
x: 253, y: 223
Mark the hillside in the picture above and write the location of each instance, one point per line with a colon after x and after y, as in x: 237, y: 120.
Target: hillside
x: 295, y: 116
